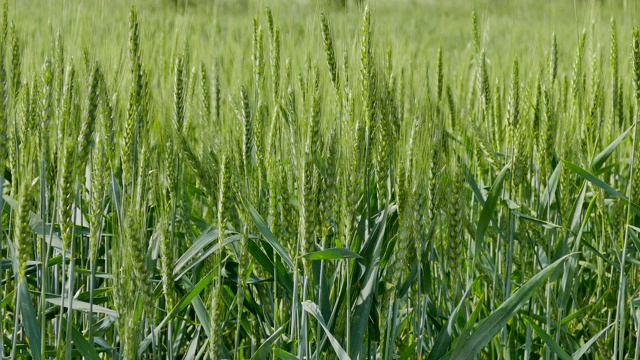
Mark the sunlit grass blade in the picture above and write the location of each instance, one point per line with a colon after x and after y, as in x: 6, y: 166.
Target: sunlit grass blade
x: 180, y: 305
x: 313, y: 309
x: 284, y: 278
x: 409, y: 352
x: 281, y: 354
x: 471, y: 346
x: 489, y: 207
x: 268, y: 235
x: 604, y: 155
x: 584, y: 348
x: 469, y: 326
x: 550, y: 190
x: 81, y: 306
x: 86, y: 350
x: 533, y: 220
x: 206, y: 238
x: 30, y: 321
x: 181, y: 267
x: 368, y: 288
x: 332, y: 254
x: 601, y: 184
x: 193, y: 348
x: 443, y: 340
x: 567, y: 282
x: 266, y: 347
x: 557, y: 350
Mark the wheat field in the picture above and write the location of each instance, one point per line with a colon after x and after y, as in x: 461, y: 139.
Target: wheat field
x: 304, y: 180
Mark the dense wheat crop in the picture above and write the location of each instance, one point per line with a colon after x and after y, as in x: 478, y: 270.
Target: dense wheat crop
x: 296, y: 180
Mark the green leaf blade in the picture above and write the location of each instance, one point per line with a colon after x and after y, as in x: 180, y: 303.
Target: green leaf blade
x: 471, y: 346
x: 332, y: 254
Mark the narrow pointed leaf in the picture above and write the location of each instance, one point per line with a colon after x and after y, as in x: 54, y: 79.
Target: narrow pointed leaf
x: 408, y: 353
x: 181, y: 267
x: 554, y: 346
x: 313, y: 309
x: 443, y: 340
x: 80, y: 306
x: 283, y: 278
x: 600, y: 159
x: 281, y: 354
x: 368, y: 287
x: 584, y: 348
x: 471, y: 346
x: 601, y: 184
x: 489, y: 207
x: 31, y: 323
x: 193, y: 347
x: 264, y: 350
x: 552, y: 185
x: 268, y: 235
x: 86, y: 350
x: 332, y: 254
x: 543, y: 223
x: 196, y: 247
x: 181, y: 305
